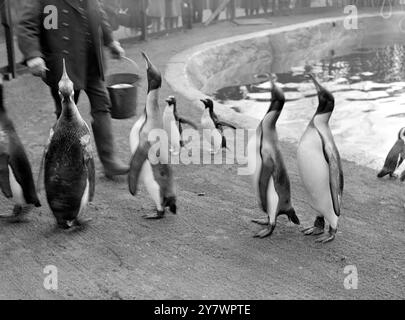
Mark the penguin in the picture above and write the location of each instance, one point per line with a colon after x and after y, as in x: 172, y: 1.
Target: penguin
x: 157, y: 177
x: 320, y: 168
x: 16, y: 180
x: 213, y: 128
x: 271, y: 179
x: 395, y: 157
x: 172, y: 123
x: 69, y: 171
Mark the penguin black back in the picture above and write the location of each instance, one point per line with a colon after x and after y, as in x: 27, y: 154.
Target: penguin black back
x: 13, y: 155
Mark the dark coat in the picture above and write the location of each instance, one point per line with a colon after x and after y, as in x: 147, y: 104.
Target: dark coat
x: 69, y: 40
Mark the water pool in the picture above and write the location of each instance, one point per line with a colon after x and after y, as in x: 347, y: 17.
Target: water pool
x: 368, y: 82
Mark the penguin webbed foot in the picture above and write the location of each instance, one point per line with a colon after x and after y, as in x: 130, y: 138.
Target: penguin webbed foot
x: 327, y: 236
x: 266, y: 232
x: 262, y: 222
x: 74, y: 225
x: 19, y: 212
x: 155, y: 216
x: 317, y: 228
x: 313, y: 231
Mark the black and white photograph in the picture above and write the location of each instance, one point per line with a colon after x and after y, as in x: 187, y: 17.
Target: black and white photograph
x: 202, y: 150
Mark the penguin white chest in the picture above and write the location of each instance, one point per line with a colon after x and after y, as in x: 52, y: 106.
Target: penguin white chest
x: 255, y: 161
x: 18, y: 195
x: 206, y: 120
x: 170, y: 126
x: 134, y: 135
x: 314, y: 170
x: 168, y: 119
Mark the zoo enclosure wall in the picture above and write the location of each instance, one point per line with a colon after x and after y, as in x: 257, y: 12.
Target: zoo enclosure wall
x: 137, y: 20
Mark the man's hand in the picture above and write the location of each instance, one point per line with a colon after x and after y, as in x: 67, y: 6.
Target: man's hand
x: 117, y: 51
x: 37, y: 67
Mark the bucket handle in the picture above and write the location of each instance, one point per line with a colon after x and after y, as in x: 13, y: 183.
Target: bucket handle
x: 132, y: 62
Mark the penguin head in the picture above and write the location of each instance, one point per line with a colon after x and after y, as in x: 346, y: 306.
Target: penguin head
x: 66, y: 87
x: 208, y: 103
x: 277, y: 96
x: 154, y: 76
x: 401, y: 134
x: 326, y: 99
x: 171, y: 101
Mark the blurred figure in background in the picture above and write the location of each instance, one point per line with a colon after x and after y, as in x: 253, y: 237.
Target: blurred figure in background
x: 133, y: 8
x: 198, y: 8
x: 265, y: 5
x: 172, y: 13
x: 156, y: 12
x: 187, y: 14
x: 251, y: 7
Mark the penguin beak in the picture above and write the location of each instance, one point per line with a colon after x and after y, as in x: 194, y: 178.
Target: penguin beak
x: 66, y: 87
x: 148, y: 63
x: 317, y: 85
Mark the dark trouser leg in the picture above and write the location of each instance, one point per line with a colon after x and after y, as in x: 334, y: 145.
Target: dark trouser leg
x: 58, y: 103
x: 102, y: 129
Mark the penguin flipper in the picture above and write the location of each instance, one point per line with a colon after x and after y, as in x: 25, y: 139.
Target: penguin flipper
x: 223, y: 143
x: 394, y: 159
x: 23, y: 173
x: 92, y: 177
x: 188, y: 122
x: 40, y: 179
x: 137, y: 161
x: 225, y: 124
x: 5, y: 176
x: 267, y: 170
x: 336, y: 180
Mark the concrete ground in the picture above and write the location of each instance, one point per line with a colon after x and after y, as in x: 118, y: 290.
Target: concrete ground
x: 207, y: 251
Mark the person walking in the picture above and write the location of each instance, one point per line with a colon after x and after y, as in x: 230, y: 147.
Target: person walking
x: 76, y: 35
x: 157, y: 12
x: 198, y: 8
x: 172, y: 13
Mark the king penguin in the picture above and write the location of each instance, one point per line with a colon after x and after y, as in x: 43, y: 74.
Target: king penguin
x: 270, y: 178
x: 213, y: 128
x: 16, y: 179
x: 157, y: 177
x: 320, y: 167
x: 68, y: 162
x: 173, y: 124
x: 395, y: 157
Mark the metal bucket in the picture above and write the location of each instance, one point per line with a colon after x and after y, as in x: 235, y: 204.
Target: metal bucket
x: 123, y: 91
